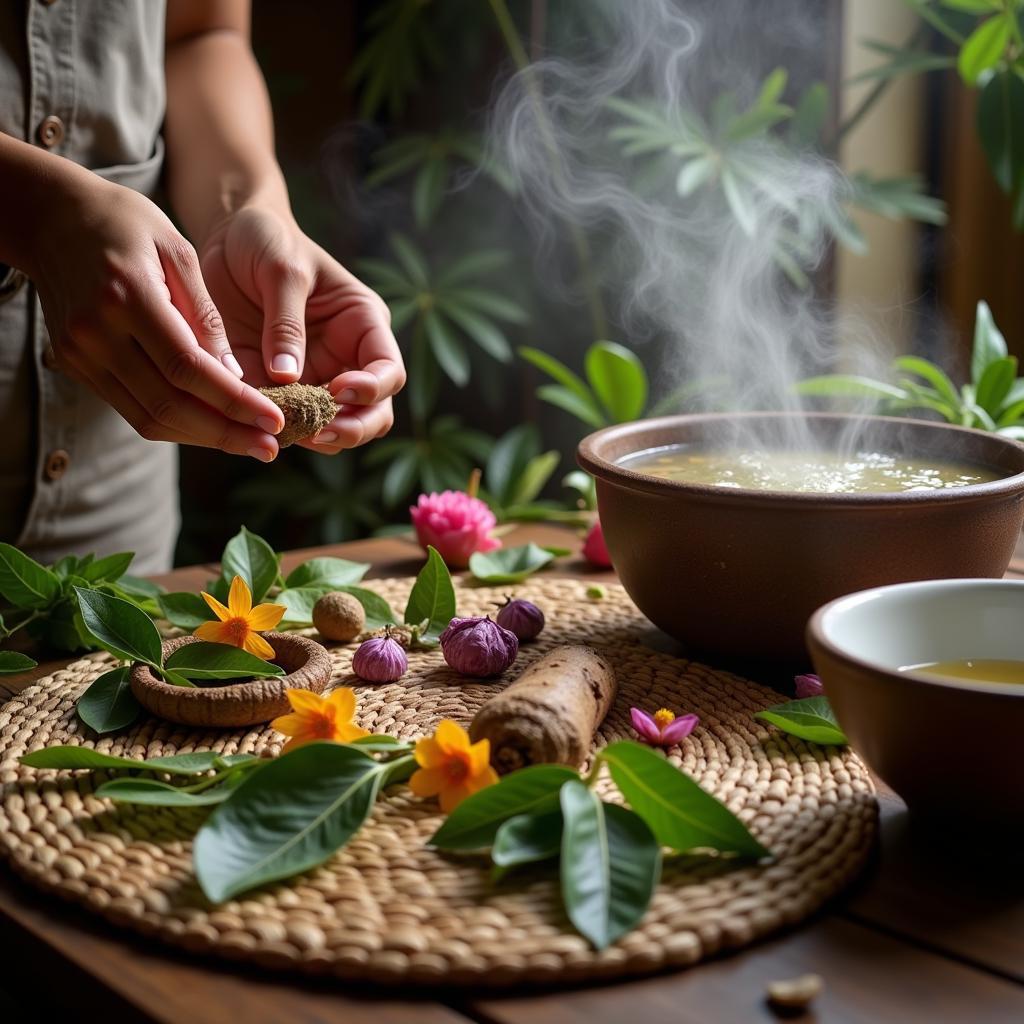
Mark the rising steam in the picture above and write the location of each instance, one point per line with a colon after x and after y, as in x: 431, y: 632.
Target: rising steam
x: 684, y: 270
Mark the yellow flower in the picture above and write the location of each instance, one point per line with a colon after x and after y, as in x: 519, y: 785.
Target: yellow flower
x: 319, y: 718
x: 237, y: 624
x: 450, y: 768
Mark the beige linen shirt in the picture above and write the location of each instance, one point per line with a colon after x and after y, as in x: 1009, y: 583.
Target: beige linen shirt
x: 83, y: 79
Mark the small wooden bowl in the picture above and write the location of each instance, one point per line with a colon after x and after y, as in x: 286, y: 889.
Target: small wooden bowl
x: 227, y: 705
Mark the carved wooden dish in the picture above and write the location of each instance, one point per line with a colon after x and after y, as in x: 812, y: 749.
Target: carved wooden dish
x: 307, y: 664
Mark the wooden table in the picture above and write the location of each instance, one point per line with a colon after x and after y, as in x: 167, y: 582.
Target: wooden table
x: 924, y: 936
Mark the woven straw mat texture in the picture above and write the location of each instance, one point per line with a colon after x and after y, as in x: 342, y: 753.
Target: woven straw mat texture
x: 387, y: 908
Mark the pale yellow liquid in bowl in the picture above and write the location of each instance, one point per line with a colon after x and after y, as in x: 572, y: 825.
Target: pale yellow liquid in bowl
x: 975, y: 670
x: 814, y: 472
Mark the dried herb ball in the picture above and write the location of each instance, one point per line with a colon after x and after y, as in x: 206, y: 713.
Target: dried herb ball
x: 307, y: 410
x: 339, y: 616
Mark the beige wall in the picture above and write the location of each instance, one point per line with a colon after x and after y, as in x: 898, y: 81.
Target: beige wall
x: 879, y: 286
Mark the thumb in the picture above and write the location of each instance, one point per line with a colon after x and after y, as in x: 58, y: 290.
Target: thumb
x: 184, y: 280
x: 284, y: 294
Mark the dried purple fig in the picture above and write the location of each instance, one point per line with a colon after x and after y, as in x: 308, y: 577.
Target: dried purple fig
x: 478, y: 646
x: 523, y: 618
x: 380, y: 660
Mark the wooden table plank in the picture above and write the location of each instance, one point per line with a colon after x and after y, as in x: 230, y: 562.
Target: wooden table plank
x: 870, y: 978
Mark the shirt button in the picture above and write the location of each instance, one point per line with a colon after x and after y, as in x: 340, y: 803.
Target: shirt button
x: 57, y: 463
x: 51, y: 131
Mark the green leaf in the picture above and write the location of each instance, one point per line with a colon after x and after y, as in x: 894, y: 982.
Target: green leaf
x: 119, y: 627
x: 618, y: 379
x: 447, y: 348
x: 561, y: 373
x: 108, y: 704
x: 610, y: 865
x: 974, y: 6
x: 989, y: 343
x: 508, y: 456
x: 848, y: 386
x: 295, y: 813
x: 184, y: 610
x: 299, y: 603
x: 70, y: 757
x: 155, y: 793
x: 740, y: 201
x: 810, y: 114
x: 534, y: 476
x: 1000, y: 122
x: 995, y: 384
x: 810, y: 719
x: 984, y: 48
x: 400, y: 476
x: 411, y: 259
x: 106, y: 570
x: 205, y: 660
x: 480, y: 329
x: 528, y: 838
x: 432, y: 599
x: 475, y: 822
x: 251, y: 557
x: 472, y: 265
x: 491, y: 303
x: 680, y: 814
x: 508, y: 565
x: 567, y: 400
x: 694, y: 173
x: 139, y: 588
x: 931, y: 373
x: 24, y: 582
x: 428, y: 191
x: 12, y: 662
x: 327, y: 572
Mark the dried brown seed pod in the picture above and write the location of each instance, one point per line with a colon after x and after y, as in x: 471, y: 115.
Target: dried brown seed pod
x: 339, y: 616
x: 307, y: 410
x: 795, y: 993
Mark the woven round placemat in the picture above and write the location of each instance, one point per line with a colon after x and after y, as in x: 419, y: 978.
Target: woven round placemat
x: 387, y: 908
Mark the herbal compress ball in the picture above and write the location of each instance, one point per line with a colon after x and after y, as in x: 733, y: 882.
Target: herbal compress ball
x: 339, y: 616
x: 307, y: 410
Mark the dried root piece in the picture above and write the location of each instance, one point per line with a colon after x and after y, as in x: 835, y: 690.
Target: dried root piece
x: 307, y: 410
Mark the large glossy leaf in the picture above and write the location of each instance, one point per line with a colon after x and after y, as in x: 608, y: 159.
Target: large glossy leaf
x: 119, y: 626
x: 432, y: 599
x: 12, y: 662
x: 1001, y: 128
x: 610, y: 865
x: 528, y: 838
x: 23, y: 581
x: 248, y: 555
x: 508, y: 565
x: 327, y: 572
x: 155, y: 793
x: 561, y: 373
x: 299, y: 603
x: 989, y: 343
x: 811, y: 718
x: 571, y: 403
x: 70, y: 757
x: 108, y: 569
x: 205, y: 660
x: 184, y: 610
x: 618, y: 378
x: 292, y: 815
x: 108, y: 704
x: 475, y: 822
x: 680, y: 814
x: 995, y: 384
x: 933, y: 374
x: 984, y: 48
x: 846, y: 385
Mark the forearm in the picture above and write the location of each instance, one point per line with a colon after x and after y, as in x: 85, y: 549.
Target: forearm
x: 32, y: 184
x: 219, y: 131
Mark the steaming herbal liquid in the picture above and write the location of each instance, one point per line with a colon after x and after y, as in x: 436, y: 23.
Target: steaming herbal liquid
x: 821, y: 472
x: 979, y: 670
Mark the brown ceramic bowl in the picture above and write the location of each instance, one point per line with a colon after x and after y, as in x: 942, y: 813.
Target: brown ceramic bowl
x: 951, y: 749
x: 739, y: 572
x: 307, y: 664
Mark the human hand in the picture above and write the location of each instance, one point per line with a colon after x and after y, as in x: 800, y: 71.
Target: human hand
x: 295, y: 314
x: 129, y: 316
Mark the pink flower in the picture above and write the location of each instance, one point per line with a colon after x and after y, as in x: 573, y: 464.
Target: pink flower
x: 663, y: 728
x: 808, y: 686
x: 595, y: 550
x: 456, y: 524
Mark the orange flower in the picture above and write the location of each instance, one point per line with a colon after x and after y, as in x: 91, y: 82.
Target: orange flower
x: 319, y: 718
x: 239, y: 622
x: 450, y: 768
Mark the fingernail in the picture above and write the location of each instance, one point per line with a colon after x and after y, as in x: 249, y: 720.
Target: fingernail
x: 271, y: 426
x: 348, y: 395
x: 232, y: 364
x: 325, y: 437
x: 285, y: 363
x: 263, y: 454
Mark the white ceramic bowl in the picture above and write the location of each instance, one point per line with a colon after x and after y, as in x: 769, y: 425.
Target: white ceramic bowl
x: 950, y: 748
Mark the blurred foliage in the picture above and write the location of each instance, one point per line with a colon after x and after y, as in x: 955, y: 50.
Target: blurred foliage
x: 444, y: 244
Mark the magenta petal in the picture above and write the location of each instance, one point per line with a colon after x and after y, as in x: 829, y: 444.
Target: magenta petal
x: 807, y: 686
x: 679, y: 728
x: 645, y: 725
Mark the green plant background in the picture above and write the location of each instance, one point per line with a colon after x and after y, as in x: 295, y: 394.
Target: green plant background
x: 381, y: 109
